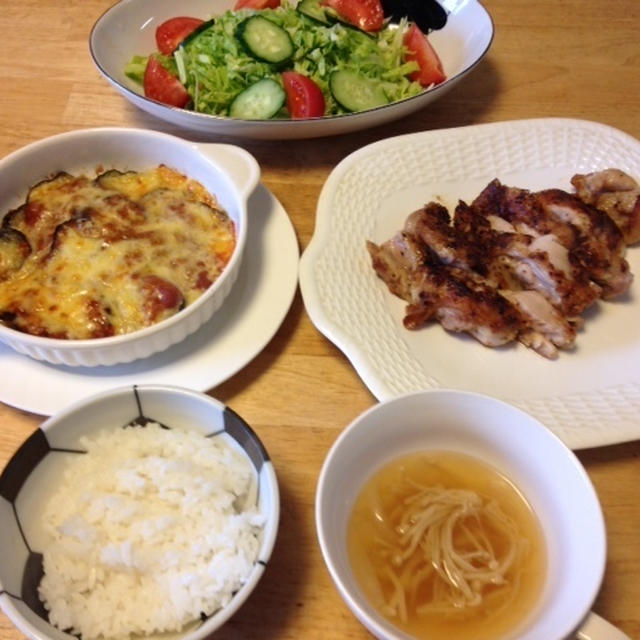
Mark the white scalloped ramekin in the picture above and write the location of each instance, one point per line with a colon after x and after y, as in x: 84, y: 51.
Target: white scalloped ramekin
x: 226, y: 171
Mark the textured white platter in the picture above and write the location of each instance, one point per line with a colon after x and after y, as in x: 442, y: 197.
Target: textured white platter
x: 129, y: 26
x: 589, y: 396
x: 238, y: 331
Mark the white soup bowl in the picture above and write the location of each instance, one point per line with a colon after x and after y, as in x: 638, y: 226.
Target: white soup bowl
x: 547, y: 473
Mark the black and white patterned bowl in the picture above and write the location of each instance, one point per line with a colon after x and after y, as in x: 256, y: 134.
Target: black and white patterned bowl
x: 37, y: 465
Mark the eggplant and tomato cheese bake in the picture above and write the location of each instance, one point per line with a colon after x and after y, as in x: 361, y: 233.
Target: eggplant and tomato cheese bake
x: 87, y: 258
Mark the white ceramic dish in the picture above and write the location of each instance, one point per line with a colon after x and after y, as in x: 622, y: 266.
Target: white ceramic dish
x: 128, y: 28
x: 36, y: 467
x: 589, y: 396
x: 516, y: 445
x: 226, y: 171
x: 250, y: 316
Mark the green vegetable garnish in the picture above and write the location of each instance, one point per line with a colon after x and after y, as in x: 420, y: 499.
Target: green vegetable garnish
x: 216, y: 66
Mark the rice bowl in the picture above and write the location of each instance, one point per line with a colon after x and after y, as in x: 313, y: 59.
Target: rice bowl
x: 175, y: 540
x: 146, y: 533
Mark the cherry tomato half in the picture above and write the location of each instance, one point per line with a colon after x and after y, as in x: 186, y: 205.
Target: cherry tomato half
x: 304, y: 96
x: 420, y: 50
x: 172, y: 32
x: 256, y: 4
x: 364, y: 14
x: 160, y: 85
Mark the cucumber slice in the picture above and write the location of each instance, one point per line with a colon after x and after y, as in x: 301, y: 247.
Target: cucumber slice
x: 356, y: 92
x: 313, y: 9
x: 260, y: 101
x: 265, y: 40
x: 196, y: 32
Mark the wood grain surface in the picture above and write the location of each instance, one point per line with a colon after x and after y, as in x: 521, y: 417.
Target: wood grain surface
x: 575, y: 59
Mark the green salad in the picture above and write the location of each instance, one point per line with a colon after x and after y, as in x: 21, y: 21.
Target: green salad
x: 250, y: 49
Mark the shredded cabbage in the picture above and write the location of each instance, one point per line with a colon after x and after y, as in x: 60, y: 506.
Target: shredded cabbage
x: 215, y: 67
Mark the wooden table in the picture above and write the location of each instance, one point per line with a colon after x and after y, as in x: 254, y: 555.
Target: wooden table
x: 573, y: 59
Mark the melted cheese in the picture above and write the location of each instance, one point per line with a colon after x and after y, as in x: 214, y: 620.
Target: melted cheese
x: 113, y: 255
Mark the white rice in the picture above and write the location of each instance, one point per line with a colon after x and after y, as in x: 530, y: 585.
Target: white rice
x: 148, y: 530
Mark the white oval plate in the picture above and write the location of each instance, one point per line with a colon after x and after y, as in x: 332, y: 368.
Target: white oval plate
x: 238, y: 331
x: 128, y: 28
x: 589, y: 396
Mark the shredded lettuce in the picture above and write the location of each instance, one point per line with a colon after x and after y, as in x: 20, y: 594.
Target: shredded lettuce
x: 215, y: 67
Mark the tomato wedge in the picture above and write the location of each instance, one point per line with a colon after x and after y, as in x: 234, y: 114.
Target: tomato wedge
x: 160, y: 85
x: 364, y: 14
x: 256, y: 4
x: 420, y: 50
x: 304, y: 96
x: 172, y: 32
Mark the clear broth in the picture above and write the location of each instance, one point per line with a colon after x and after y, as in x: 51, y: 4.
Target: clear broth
x: 382, y: 494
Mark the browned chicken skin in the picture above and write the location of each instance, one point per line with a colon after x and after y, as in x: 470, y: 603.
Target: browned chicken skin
x: 513, y: 265
x: 532, y: 262
x: 615, y: 193
x: 459, y: 299
x: 593, y: 240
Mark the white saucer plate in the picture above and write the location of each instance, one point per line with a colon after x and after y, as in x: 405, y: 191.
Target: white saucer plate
x: 238, y: 331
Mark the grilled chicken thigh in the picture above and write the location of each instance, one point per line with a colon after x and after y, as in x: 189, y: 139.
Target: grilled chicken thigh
x: 513, y: 265
x: 459, y: 299
x: 594, y: 241
x: 615, y: 193
x: 509, y: 260
x: 599, y: 244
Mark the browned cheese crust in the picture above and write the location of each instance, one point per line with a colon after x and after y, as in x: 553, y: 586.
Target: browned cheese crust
x: 89, y: 258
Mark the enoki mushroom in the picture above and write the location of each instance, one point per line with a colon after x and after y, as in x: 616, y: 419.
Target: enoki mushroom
x: 448, y: 551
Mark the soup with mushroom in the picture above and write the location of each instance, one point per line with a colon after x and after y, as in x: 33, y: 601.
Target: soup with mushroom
x: 444, y: 546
